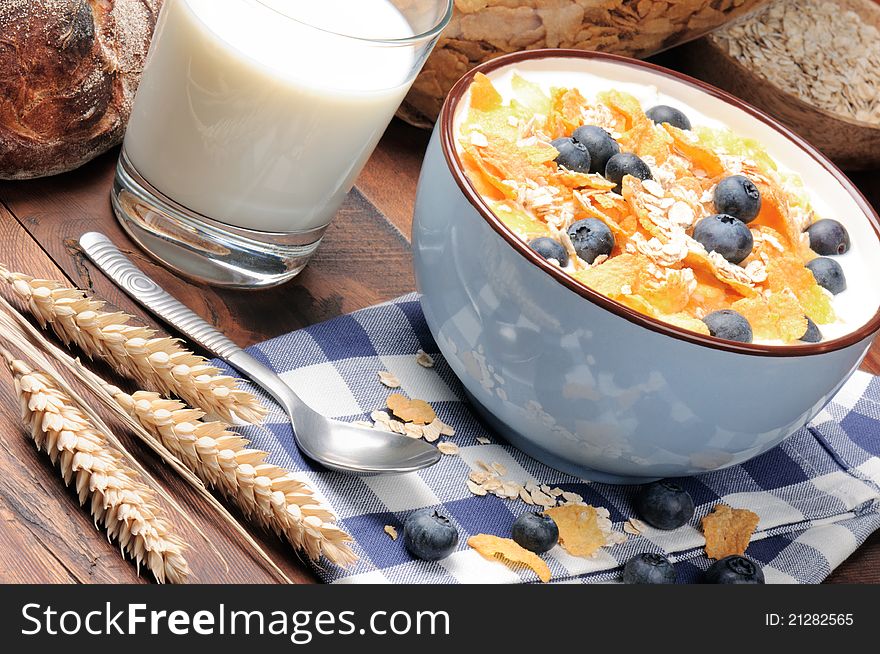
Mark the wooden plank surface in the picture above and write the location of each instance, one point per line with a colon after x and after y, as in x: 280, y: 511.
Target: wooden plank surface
x: 365, y: 258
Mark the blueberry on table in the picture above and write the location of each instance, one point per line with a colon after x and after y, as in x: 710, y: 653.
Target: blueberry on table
x: 734, y: 569
x: 429, y: 536
x: 598, y: 143
x: 729, y: 325
x: 828, y: 273
x: 812, y: 335
x: 737, y: 196
x: 591, y: 238
x: 550, y: 248
x: 828, y: 236
x: 663, y: 113
x: 648, y: 568
x: 726, y: 235
x: 664, y: 505
x: 572, y: 155
x: 535, y: 532
x: 625, y: 163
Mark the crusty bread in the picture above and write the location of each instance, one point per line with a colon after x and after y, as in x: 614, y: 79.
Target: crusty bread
x: 68, y: 73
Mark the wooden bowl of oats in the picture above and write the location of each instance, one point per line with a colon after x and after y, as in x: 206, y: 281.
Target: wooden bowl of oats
x: 812, y: 64
x: 481, y: 30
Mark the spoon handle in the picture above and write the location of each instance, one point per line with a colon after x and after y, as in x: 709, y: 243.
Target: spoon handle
x: 143, y: 290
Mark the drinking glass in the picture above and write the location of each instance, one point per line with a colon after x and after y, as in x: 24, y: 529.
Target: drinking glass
x: 251, y: 122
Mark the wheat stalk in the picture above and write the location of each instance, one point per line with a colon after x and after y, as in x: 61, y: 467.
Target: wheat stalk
x: 223, y: 459
x: 268, y: 494
x: 26, y: 338
x: 117, y: 498
x: 156, y: 362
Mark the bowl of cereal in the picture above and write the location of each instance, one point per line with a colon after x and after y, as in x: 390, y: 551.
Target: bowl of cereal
x: 633, y: 274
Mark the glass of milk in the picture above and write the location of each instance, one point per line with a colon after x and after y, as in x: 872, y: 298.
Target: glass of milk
x: 251, y: 122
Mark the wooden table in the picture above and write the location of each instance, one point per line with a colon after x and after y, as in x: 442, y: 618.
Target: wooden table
x: 365, y: 258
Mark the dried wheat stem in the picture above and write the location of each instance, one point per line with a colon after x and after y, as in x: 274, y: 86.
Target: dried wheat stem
x: 26, y: 338
x: 117, y: 498
x: 156, y: 362
x: 270, y: 495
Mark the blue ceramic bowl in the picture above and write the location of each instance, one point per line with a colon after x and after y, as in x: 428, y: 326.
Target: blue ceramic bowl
x: 585, y: 384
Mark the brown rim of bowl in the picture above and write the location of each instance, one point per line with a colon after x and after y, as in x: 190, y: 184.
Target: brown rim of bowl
x: 450, y: 152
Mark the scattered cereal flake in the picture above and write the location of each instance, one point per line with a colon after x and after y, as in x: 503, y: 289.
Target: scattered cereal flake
x: 499, y: 468
x: 633, y: 526
x: 448, y: 448
x: 526, y: 497
x: 446, y: 430
x: 572, y: 497
x: 509, y: 490
x: 380, y: 416
x: 728, y: 531
x: 432, y: 431
x: 413, y: 430
x: 417, y: 411
x: 397, y: 427
x: 424, y: 359
x: 579, y: 531
x: 391, y: 531
x: 556, y: 492
x: 493, y: 484
x: 510, y: 553
x: 531, y: 486
x: 482, y: 440
x: 476, y: 489
x: 539, y: 497
x: 389, y: 379
x: 479, y: 476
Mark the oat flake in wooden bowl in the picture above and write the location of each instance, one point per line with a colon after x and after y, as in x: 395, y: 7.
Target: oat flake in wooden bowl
x: 812, y: 64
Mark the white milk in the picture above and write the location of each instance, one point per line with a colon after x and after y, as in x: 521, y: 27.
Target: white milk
x: 258, y: 120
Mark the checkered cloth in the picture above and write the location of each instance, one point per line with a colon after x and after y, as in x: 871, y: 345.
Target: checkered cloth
x: 817, y: 494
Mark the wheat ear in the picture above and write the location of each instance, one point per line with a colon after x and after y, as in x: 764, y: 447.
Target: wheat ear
x: 156, y: 362
x: 270, y: 495
x: 117, y: 498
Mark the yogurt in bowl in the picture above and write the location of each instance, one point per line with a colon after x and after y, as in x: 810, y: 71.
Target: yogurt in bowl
x: 595, y: 381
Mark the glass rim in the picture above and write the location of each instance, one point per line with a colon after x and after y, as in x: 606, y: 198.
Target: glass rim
x: 434, y: 31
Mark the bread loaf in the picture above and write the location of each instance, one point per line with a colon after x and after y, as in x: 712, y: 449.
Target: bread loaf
x: 68, y: 73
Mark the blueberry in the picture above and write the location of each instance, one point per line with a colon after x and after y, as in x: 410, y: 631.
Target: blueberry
x: 625, y: 163
x: 663, y: 113
x: 664, y: 505
x: 599, y: 144
x: 729, y: 325
x: 737, y: 196
x: 648, y: 568
x: 536, y: 532
x: 828, y: 237
x: 572, y: 155
x: 812, y: 335
x: 828, y: 274
x: 726, y: 235
x: 550, y: 248
x: 429, y: 536
x: 591, y: 238
x: 734, y: 569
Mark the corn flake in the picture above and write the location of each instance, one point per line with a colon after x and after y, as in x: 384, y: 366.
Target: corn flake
x: 510, y: 553
x: 416, y: 411
x: 728, y: 531
x: 579, y: 532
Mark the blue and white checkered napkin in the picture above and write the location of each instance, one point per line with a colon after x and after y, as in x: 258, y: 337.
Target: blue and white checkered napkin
x: 817, y: 494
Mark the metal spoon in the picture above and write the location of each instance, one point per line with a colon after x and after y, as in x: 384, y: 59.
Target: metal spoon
x: 337, y: 445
